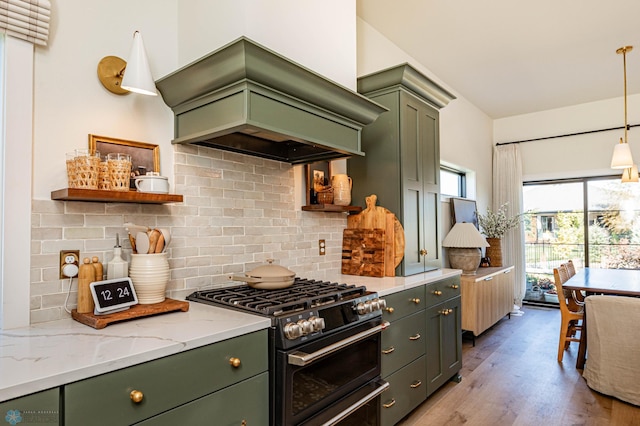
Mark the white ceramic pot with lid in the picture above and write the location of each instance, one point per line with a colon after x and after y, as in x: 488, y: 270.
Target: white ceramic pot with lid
x: 268, y: 277
x: 152, y: 183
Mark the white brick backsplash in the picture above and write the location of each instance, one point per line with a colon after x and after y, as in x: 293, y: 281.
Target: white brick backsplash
x: 238, y: 211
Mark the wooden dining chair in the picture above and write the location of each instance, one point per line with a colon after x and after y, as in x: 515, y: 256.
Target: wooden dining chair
x: 571, y: 314
x: 578, y: 296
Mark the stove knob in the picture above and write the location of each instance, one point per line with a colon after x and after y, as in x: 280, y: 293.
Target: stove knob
x: 375, y: 305
x: 292, y: 331
x: 361, y: 308
x: 383, y: 303
x: 318, y: 323
x: 305, y: 326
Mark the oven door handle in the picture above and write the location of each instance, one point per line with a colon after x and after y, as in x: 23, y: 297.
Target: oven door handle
x: 302, y: 358
x: 381, y: 387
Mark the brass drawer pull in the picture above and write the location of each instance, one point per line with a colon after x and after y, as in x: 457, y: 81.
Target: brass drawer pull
x: 416, y: 384
x: 454, y: 286
x: 415, y: 300
x: 389, y: 404
x: 388, y: 351
x: 416, y: 337
x: 389, y: 309
x: 423, y: 252
x: 136, y: 396
x: 437, y: 292
x: 446, y: 311
x: 235, y: 362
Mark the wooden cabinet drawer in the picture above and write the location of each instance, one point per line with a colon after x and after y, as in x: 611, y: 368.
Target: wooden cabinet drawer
x: 440, y: 291
x: 244, y: 403
x: 403, y: 342
x: 403, y: 303
x: 34, y: 409
x: 165, y: 383
x: 407, y: 389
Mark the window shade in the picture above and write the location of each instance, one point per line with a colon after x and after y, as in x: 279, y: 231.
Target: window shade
x: 26, y: 19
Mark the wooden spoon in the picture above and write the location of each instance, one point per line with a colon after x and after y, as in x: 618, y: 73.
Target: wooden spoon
x: 132, y: 240
x: 153, y: 240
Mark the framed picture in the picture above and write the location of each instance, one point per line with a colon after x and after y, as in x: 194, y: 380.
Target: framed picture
x: 142, y: 154
x: 318, y: 175
x: 463, y: 210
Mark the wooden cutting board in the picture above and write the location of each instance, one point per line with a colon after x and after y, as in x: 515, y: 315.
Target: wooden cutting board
x: 363, y: 252
x: 376, y: 217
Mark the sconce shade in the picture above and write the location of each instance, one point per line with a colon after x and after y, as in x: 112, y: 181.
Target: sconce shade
x: 137, y: 75
x: 630, y: 175
x: 464, y: 235
x: 622, y: 158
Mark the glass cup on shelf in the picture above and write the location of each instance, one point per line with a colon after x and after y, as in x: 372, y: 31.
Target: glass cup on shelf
x: 71, y: 169
x: 119, y: 171
x: 86, y: 168
x: 104, y: 180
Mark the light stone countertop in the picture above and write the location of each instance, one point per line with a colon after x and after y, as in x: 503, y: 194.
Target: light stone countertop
x: 55, y: 353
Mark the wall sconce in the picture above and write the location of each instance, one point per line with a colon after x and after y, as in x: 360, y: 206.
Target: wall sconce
x: 630, y: 174
x: 622, y: 158
x: 121, y: 77
x: 463, y: 242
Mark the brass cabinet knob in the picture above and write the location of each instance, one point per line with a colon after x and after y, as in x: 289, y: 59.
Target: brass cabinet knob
x: 389, y: 404
x: 389, y: 309
x: 454, y: 286
x: 423, y: 252
x: 415, y: 337
x: 136, y: 396
x: 446, y: 311
x: 389, y: 350
x: 416, y: 300
x: 235, y: 362
x: 416, y: 384
x: 437, y: 292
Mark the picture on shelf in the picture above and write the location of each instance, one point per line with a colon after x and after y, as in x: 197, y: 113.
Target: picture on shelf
x: 318, y: 175
x: 145, y: 157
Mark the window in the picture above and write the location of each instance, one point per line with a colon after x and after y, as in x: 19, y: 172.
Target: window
x: 593, y: 221
x: 453, y: 183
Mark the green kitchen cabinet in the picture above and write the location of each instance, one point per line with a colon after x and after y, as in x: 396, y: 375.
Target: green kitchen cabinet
x: 189, y: 384
x: 444, y: 333
x: 35, y: 409
x: 402, y: 160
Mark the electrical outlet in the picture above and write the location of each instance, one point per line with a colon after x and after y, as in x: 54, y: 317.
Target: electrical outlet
x: 69, y: 257
x: 322, y: 248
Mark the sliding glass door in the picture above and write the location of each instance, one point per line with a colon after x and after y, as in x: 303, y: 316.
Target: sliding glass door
x: 593, y: 221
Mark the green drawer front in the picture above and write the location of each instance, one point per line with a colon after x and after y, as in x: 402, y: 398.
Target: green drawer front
x: 165, y: 383
x: 246, y: 403
x: 403, y: 303
x: 442, y: 290
x: 407, y: 389
x: 35, y: 409
x: 403, y: 342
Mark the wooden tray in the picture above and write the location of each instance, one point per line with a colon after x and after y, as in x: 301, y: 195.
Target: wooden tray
x: 134, y: 312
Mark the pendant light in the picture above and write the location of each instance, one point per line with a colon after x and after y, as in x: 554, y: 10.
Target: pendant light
x: 622, y: 158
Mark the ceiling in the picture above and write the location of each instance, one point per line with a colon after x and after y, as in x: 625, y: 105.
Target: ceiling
x: 514, y: 57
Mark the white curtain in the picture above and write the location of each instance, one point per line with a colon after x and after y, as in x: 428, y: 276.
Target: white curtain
x: 507, y: 188
x: 26, y: 20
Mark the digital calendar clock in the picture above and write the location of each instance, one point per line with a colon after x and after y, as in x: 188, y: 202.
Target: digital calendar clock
x: 112, y: 296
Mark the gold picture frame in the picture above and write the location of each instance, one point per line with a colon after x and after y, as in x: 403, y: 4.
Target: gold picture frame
x: 142, y: 154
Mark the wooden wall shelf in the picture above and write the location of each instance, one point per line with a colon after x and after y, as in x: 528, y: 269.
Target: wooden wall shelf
x: 331, y: 208
x: 97, y: 195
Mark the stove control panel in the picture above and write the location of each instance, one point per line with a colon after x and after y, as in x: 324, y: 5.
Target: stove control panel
x: 294, y: 330
x: 369, y: 306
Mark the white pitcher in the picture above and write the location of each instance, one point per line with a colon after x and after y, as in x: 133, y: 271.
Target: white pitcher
x: 341, y: 185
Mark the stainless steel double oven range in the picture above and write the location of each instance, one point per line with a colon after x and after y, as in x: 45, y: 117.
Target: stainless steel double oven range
x: 325, y: 349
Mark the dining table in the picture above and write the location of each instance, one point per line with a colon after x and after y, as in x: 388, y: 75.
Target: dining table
x: 613, y: 282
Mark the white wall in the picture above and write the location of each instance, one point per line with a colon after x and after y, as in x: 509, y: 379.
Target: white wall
x: 466, y: 134
x: 574, y: 156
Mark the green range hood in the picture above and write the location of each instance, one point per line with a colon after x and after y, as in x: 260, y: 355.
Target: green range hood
x: 248, y: 99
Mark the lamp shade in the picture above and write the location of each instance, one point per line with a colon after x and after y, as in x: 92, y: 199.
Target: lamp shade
x: 464, y: 235
x: 630, y: 174
x: 621, y: 156
x: 137, y: 75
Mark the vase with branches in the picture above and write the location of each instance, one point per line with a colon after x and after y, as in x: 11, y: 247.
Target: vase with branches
x: 494, y: 226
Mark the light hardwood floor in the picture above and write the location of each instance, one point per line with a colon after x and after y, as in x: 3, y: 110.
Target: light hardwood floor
x: 512, y: 377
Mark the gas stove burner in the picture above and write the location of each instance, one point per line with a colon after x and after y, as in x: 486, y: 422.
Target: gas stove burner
x: 302, y: 295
